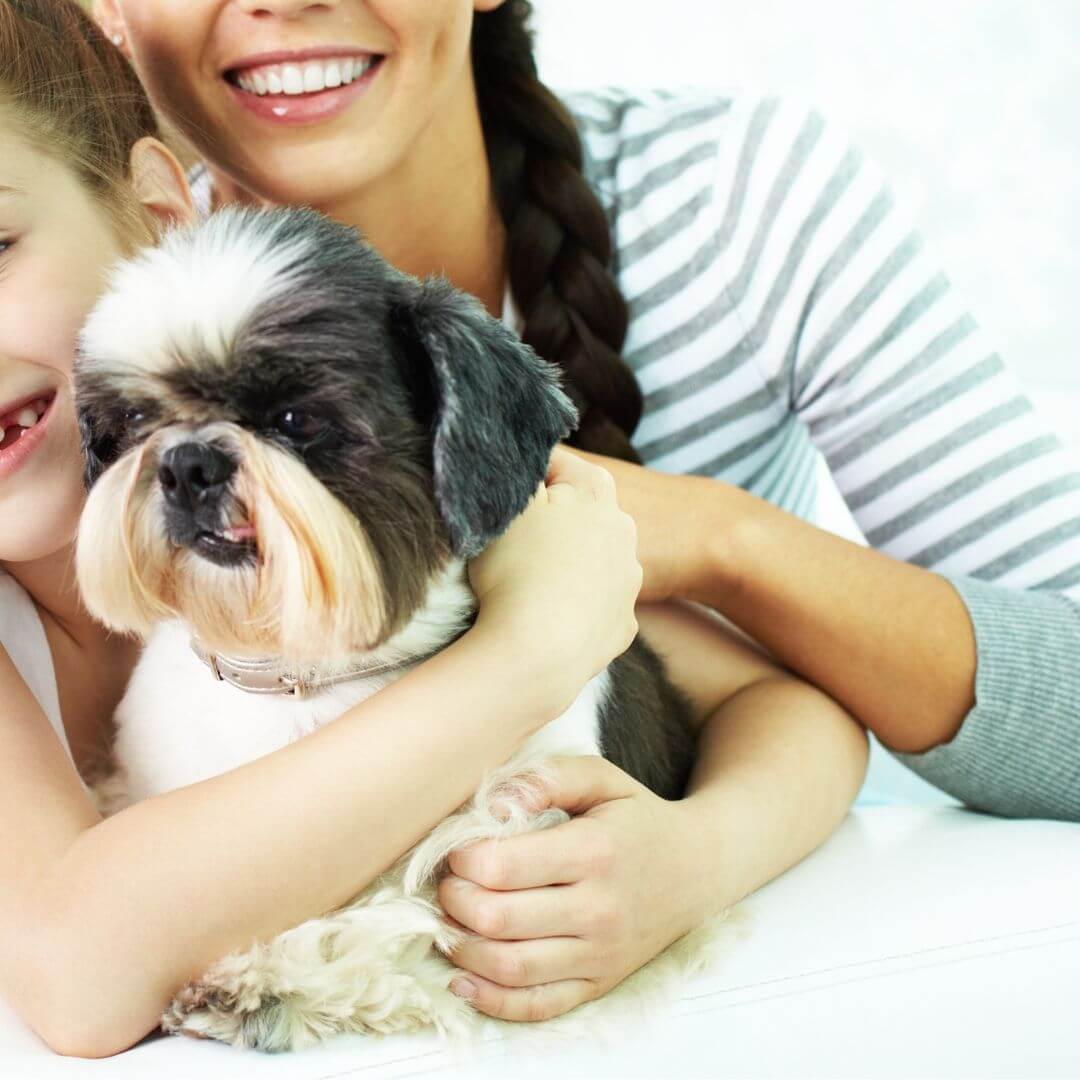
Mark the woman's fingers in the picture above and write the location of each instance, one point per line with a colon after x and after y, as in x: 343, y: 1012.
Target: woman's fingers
x: 577, y: 784
x: 562, y: 855
x: 507, y: 916
x: 533, y: 1003
x: 529, y: 861
x: 569, y: 474
x: 526, y: 963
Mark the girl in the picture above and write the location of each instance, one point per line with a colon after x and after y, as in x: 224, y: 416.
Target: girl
x: 102, y: 921
x: 750, y: 270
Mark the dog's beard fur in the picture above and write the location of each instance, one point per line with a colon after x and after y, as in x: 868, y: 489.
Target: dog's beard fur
x: 312, y: 593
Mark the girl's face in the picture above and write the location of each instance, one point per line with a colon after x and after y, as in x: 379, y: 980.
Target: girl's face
x: 298, y: 101
x: 55, y: 244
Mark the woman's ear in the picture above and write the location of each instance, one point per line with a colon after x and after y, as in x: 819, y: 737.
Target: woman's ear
x: 160, y: 184
x: 106, y: 13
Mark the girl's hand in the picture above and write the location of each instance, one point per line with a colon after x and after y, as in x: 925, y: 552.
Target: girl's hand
x: 567, y: 913
x: 564, y: 578
x: 677, y: 561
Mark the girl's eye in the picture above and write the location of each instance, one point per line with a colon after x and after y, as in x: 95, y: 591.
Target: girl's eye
x: 299, y: 425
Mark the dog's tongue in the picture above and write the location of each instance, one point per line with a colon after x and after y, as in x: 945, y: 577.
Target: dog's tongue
x: 237, y: 533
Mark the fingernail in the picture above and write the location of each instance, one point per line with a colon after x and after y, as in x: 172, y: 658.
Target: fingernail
x: 464, y: 988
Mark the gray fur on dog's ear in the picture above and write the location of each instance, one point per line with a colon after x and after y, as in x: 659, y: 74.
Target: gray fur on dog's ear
x: 498, y: 413
x: 99, y: 450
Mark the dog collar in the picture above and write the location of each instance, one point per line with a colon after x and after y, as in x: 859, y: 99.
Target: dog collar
x: 271, y: 676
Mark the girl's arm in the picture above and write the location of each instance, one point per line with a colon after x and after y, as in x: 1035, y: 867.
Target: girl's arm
x: 101, y: 921
x: 569, y: 912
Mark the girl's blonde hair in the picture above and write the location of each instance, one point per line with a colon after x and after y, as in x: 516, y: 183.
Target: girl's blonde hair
x: 73, y: 95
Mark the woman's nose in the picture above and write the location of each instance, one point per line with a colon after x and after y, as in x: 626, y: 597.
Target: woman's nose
x: 286, y: 9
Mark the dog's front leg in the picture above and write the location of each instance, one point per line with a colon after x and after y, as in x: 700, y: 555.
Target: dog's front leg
x: 374, y: 966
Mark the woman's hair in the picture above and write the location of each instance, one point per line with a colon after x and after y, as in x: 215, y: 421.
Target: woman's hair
x: 74, y: 96
x: 558, y: 238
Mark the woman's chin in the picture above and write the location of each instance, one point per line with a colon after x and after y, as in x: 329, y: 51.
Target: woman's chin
x: 323, y: 176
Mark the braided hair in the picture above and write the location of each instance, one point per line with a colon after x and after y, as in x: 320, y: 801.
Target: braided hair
x: 558, y: 238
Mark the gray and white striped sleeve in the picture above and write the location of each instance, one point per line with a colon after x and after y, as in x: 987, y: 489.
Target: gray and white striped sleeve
x: 937, y: 451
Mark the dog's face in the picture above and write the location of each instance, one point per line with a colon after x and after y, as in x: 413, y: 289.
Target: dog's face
x: 286, y: 438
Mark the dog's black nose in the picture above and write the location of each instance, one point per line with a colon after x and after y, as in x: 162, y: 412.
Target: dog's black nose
x: 194, y: 473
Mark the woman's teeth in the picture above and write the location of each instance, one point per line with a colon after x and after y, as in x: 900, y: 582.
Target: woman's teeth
x: 307, y: 78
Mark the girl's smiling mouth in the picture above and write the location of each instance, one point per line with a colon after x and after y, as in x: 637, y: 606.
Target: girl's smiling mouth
x: 24, y: 427
x: 303, y: 86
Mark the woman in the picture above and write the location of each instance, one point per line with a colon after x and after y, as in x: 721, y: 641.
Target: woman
x: 777, y: 303
x: 102, y: 921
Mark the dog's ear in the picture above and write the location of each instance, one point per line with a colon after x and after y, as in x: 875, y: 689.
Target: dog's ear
x: 495, y: 408
x: 99, y: 448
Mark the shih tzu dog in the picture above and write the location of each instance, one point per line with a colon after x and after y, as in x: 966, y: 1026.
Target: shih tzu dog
x: 292, y: 448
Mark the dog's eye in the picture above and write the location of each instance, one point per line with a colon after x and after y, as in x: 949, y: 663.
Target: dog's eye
x: 298, y: 425
x: 133, y: 416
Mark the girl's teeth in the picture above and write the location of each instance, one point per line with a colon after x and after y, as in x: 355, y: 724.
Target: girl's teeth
x: 27, y: 417
x: 259, y: 84
x: 273, y: 82
x: 332, y: 75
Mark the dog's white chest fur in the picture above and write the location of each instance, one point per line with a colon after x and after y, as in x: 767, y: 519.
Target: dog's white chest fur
x: 178, y: 725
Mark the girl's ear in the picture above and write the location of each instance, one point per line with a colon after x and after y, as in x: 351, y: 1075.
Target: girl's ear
x: 160, y: 184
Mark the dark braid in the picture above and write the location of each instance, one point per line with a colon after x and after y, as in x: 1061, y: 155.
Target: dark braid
x: 558, y: 239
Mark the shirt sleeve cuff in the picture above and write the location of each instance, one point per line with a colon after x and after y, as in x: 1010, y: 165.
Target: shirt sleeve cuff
x: 1017, y: 752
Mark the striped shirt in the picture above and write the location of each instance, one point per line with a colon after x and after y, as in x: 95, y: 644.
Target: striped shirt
x: 782, y: 308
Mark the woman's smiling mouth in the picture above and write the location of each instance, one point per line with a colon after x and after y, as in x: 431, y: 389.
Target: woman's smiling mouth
x: 302, y: 87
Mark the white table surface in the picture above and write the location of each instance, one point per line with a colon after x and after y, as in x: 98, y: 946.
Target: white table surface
x: 918, y: 942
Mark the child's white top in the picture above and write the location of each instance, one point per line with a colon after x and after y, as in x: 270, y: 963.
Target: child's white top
x: 23, y: 636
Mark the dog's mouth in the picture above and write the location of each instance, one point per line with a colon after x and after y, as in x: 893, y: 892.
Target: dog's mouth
x: 234, y: 545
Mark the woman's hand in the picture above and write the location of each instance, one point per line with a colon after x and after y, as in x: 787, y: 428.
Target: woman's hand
x: 680, y: 522
x: 564, y: 578
x: 567, y: 913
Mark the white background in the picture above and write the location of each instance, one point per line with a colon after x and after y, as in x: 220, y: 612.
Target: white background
x: 970, y: 106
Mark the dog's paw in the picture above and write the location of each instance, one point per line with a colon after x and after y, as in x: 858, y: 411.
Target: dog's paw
x: 201, y: 1009
x: 211, y: 1011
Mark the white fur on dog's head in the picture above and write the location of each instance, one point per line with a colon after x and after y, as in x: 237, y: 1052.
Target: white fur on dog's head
x: 368, y: 428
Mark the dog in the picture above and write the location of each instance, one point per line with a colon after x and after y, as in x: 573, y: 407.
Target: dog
x: 292, y: 449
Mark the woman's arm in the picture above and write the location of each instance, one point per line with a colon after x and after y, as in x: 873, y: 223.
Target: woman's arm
x: 569, y: 912
x: 101, y: 921
x: 891, y: 642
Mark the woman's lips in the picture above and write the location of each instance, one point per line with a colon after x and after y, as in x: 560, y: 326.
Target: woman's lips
x: 299, y: 108
x: 16, y: 448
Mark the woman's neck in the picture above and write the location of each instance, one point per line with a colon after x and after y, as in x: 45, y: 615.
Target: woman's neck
x: 435, y: 213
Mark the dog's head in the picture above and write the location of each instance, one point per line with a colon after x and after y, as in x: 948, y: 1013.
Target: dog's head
x: 286, y: 438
